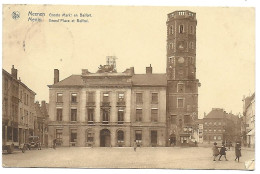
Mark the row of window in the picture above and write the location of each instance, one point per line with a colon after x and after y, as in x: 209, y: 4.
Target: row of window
x: 210, y: 130
x: 90, y: 135
x: 213, y: 137
x: 106, y: 115
x: 105, y: 97
x: 214, y: 123
x: 181, y: 29
x: 190, y: 45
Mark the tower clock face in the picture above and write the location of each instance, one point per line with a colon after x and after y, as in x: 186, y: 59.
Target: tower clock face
x: 181, y: 60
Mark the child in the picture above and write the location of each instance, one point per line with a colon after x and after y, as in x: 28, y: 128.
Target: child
x: 222, y: 152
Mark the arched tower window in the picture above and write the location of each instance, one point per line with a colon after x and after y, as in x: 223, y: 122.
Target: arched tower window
x: 171, y: 29
x: 181, y: 29
x: 191, y: 29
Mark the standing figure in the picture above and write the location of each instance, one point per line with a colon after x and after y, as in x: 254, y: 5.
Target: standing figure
x: 222, y: 151
x: 215, y: 151
x: 238, y: 151
x: 135, y: 145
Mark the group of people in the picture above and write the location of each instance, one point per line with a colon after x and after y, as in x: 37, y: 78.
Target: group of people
x: 221, y: 151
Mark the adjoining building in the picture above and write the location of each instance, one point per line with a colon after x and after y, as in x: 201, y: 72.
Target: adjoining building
x: 18, y: 109
x: 41, y: 122
x: 108, y: 108
x: 248, y: 119
x: 220, y: 126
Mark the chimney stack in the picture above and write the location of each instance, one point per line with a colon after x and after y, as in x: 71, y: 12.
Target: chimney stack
x: 14, y: 72
x: 149, y: 70
x: 56, y: 76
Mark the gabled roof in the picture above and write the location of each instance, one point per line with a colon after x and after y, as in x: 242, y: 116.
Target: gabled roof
x: 73, y: 80
x: 149, y: 80
x: 216, y: 113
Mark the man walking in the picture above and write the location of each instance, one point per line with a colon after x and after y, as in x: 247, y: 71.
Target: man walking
x: 215, y: 151
x: 54, y: 143
x: 238, y: 151
x: 135, y: 145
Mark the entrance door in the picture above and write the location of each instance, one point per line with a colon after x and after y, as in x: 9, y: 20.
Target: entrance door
x: 154, y: 138
x: 105, y: 140
x: 172, y: 140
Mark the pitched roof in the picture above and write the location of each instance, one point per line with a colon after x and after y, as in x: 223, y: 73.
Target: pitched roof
x: 73, y: 80
x: 149, y: 80
x: 216, y: 113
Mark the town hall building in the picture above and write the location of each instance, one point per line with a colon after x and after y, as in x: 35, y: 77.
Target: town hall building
x: 115, y: 109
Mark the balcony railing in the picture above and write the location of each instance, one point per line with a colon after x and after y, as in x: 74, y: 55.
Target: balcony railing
x: 104, y: 122
x: 120, y: 122
x: 90, y: 122
x: 91, y: 103
x: 121, y: 103
x: 105, y: 104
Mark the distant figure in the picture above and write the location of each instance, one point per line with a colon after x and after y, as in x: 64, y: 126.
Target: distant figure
x: 215, y: 151
x: 229, y: 145
x: 135, y: 145
x: 54, y: 143
x: 222, y: 152
x: 238, y: 151
x: 195, y: 143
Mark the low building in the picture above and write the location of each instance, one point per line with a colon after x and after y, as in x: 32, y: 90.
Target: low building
x: 220, y: 126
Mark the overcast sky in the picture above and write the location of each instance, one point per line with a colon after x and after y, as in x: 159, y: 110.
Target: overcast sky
x: 137, y: 36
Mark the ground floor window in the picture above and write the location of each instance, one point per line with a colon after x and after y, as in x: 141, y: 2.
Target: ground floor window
x: 138, y: 136
x: 73, y: 136
x: 90, y: 136
x: 120, y: 136
x: 153, y: 137
x: 59, y: 136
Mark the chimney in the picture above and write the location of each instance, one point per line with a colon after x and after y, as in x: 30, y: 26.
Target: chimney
x: 132, y: 70
x: 43, y: 103
x: 14, y: 72
x: 56, y: 76
x: 149, y: 70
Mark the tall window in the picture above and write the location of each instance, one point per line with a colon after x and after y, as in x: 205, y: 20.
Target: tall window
x: 91, y: 97
x: 90, y: 115
x: 154, y: 115
x: 139, y: 98
x: 153, y: 137
x: 90, y: 136
x: 181, y: 29
x: 191, y: 29
x: 105, y: 97
x: 121, y: 97
x: 120, y: 116
x: 59, y: 97
x: 173, y: 119
x: 180, y: 103
x: 171, y: 29
x: 73, y: 97
x: 138, y: 136
x: 59, y: 136
x: 187, y: 119
x: 139, y: 114
x: 73, y: 135
x: 180, y: 87
x: 120, y: 136
x: 59, y: 114
x: 154, y: 98
x: 73, y: 115
x: 105, y: 116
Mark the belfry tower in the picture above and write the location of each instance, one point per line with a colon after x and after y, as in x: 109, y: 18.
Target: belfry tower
x: 182, y: 85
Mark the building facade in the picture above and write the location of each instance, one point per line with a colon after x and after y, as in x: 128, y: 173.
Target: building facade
x: 220, y: 126
x: 18, y: 109
x: 182, y: 85
x: 41, y: 122
x: 108, y: 108
x: 248, y: 121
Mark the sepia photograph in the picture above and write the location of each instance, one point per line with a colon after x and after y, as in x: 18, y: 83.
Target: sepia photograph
x: 128, y: 87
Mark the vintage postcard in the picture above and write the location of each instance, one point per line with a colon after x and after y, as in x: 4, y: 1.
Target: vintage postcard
x: 128, y: 87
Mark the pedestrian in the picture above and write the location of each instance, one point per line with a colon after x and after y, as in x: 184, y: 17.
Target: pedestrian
x: 229, y: 145
x: 237, y: 151
x: 135, y: 145
x: 215, y: 151
x: 54, y: 143
x: 222, y: 152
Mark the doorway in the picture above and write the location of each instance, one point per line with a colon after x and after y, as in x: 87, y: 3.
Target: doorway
x: 105, y: 140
